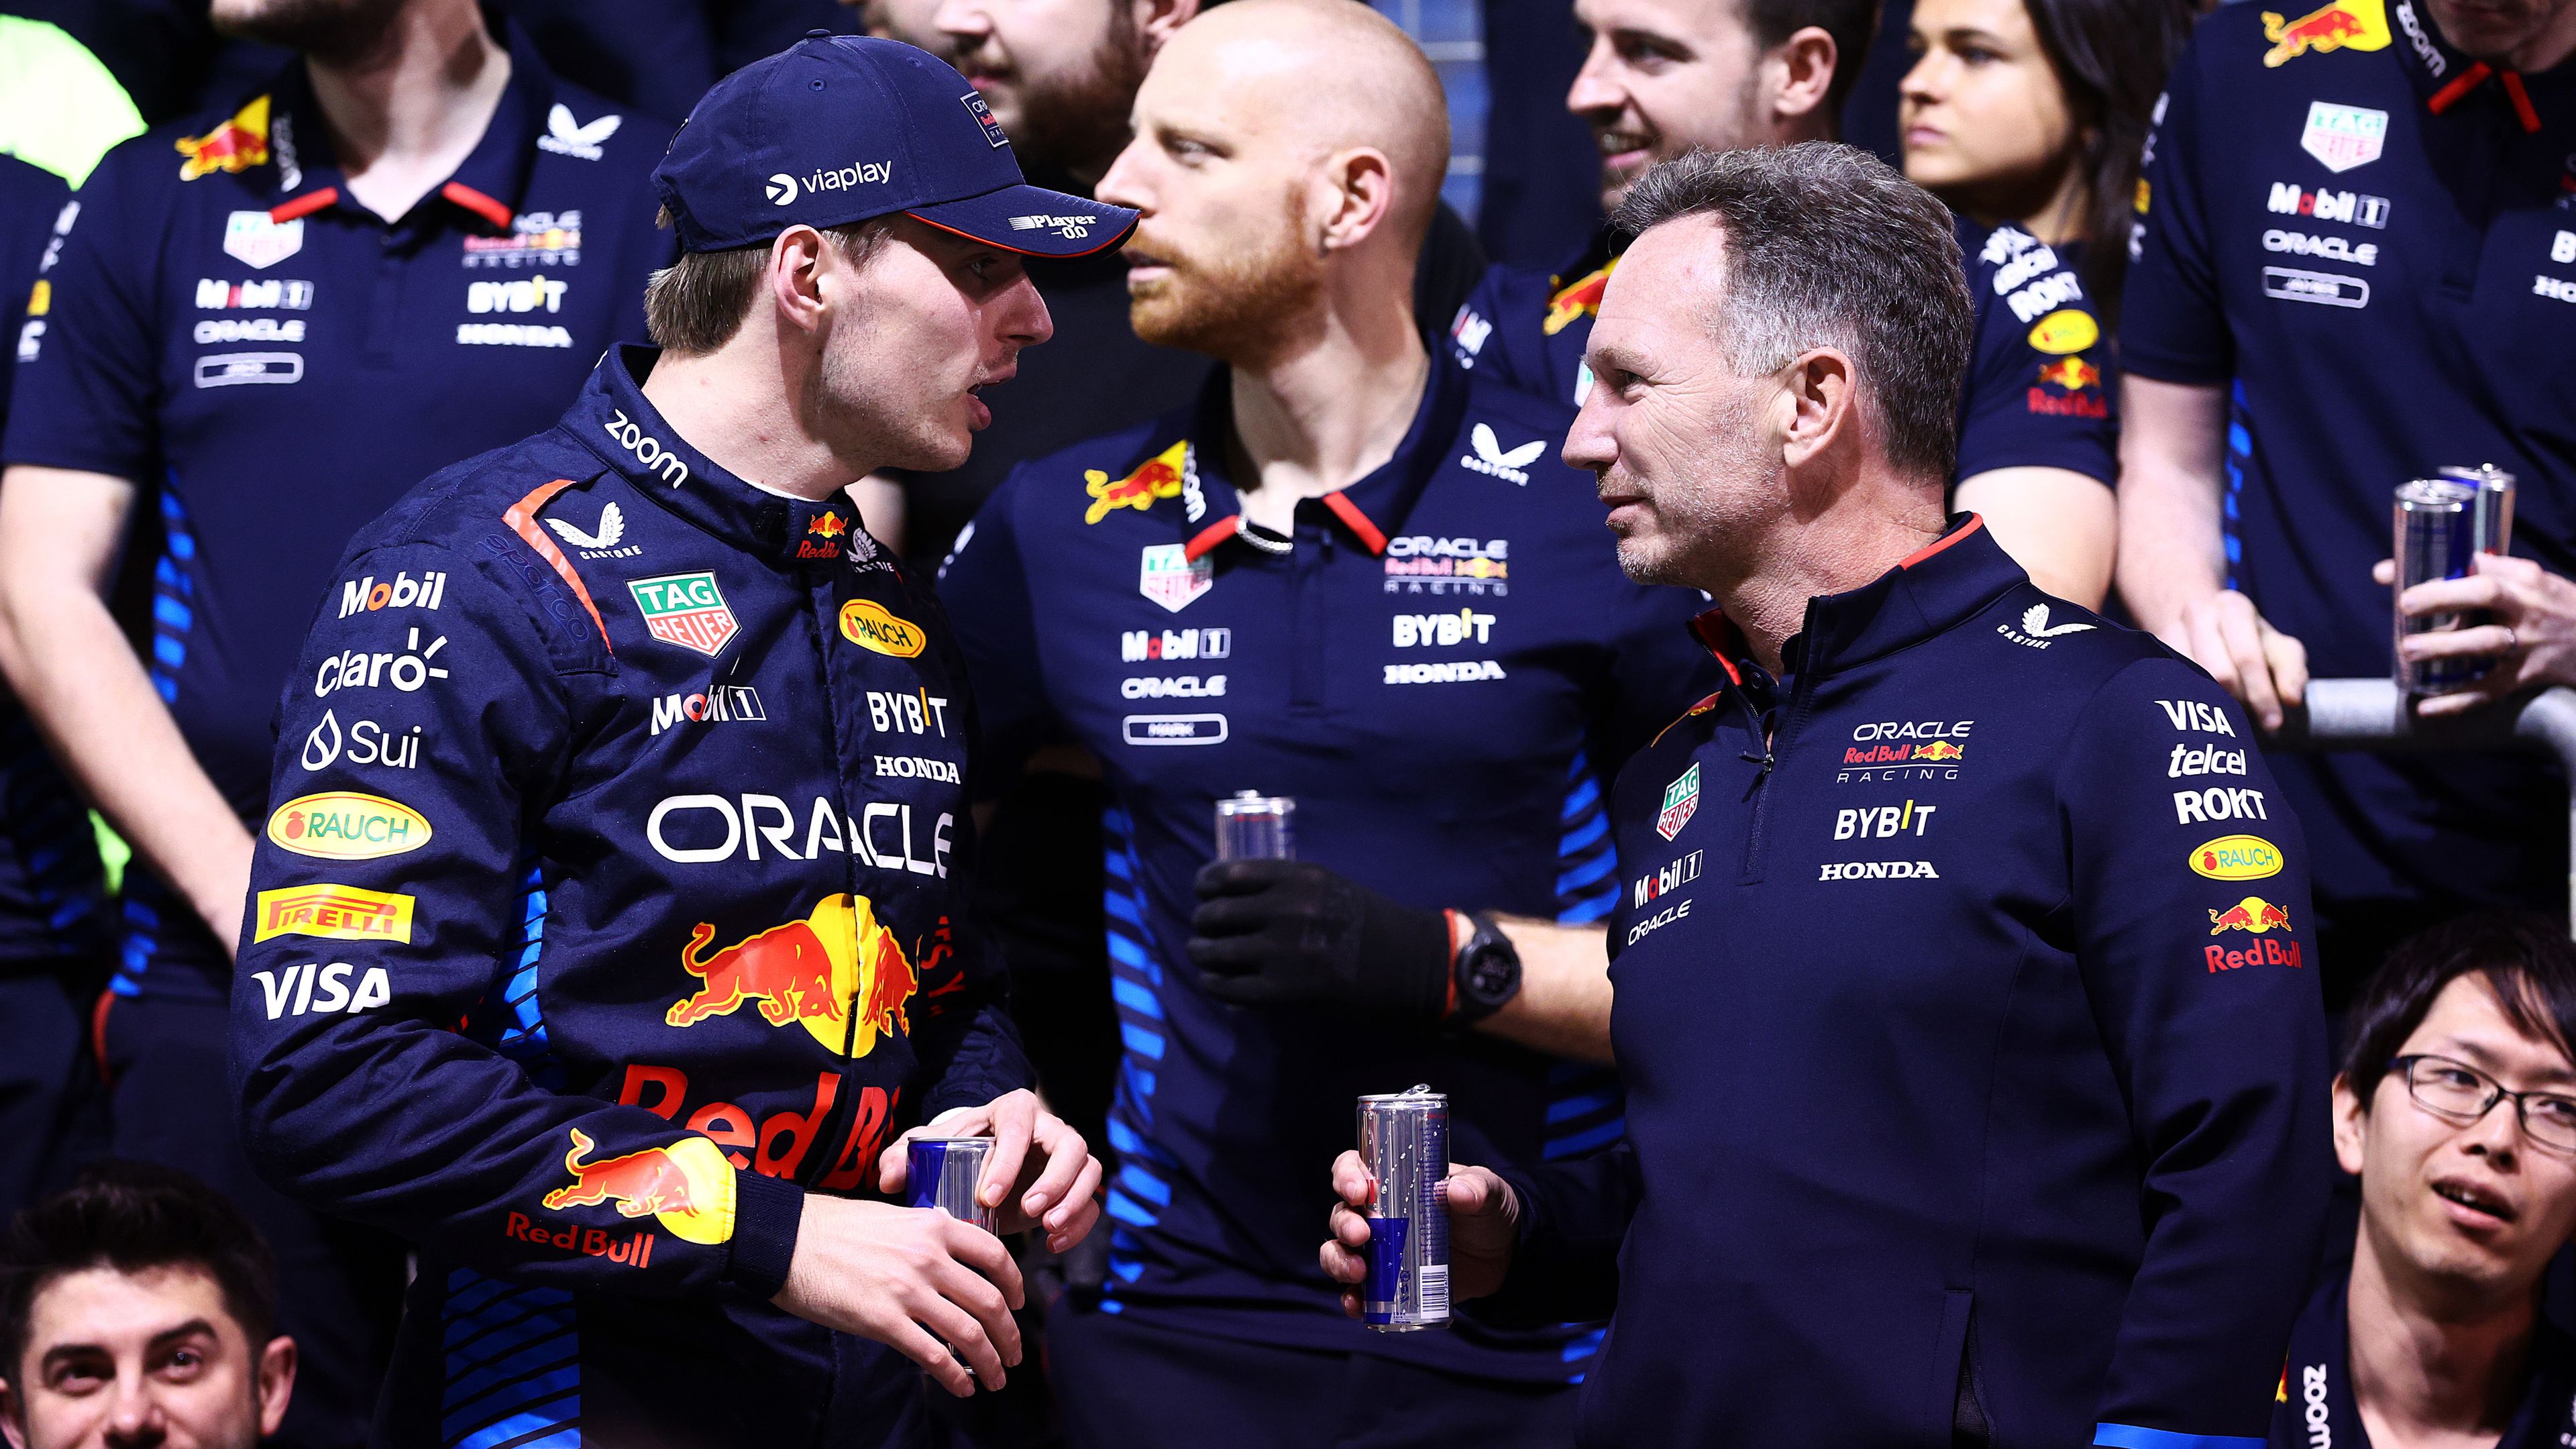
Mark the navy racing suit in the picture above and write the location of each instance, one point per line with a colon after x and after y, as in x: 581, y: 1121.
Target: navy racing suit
x: 606, y: 906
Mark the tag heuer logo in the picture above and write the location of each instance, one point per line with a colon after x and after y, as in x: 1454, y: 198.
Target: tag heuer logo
x: 1169, y: 577
x: 1681, y: 802
x: 687, y: 610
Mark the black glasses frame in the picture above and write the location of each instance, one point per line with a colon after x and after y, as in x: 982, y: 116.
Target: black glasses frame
x: 2496, y: 1092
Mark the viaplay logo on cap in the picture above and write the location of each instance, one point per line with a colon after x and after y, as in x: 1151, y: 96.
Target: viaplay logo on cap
x: 784, y: 189
x: 983, y: 114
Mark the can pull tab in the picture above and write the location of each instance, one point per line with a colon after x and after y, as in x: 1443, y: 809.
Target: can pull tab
x: 1418, y: 1089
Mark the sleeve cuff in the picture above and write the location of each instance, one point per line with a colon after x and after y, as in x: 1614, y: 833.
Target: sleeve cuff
x: 766, y: 1213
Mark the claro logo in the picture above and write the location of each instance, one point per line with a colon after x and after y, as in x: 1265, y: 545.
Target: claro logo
x: 648, y: 450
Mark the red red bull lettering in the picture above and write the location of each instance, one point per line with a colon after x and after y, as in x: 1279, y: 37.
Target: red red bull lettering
x: 2260, y: 953
x: 632, y: 1249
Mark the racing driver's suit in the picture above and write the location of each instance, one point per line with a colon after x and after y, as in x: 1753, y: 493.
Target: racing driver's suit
x: 606, y: 906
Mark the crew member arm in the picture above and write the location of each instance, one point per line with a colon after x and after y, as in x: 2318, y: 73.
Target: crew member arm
x: 364, y: 1056
x: 2178, y: 358
x: 81, y: 427
x: 2058, y: 524
x: 81, y: 682
x: 2196, y: 948
x: 1563, y: 1007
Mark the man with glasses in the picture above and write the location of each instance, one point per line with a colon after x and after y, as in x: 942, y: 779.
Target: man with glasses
x: 2433, y: 1334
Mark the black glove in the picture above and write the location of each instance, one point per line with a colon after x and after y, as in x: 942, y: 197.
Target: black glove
x: 1291, y: 933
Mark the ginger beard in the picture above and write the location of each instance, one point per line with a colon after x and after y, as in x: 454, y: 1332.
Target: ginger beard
x: 1227, y: 298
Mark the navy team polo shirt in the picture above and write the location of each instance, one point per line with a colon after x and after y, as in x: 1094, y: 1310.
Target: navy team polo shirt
x: 2039, y: 388
x: 52, y: 897
x: 2315, y: 1405
x: 2368, y: 239
x: 1444, y: 667
x: 226, y: 327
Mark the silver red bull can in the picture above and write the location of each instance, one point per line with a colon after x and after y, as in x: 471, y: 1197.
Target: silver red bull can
x: 2436, y: 538
x: 941, y: 1172
x: 1404, y: 1144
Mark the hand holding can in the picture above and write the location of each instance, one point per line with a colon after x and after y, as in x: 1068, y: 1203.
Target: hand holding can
x: 1404, y: 1144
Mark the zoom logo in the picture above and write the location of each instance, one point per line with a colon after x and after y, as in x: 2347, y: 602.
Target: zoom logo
x: 782, y: 190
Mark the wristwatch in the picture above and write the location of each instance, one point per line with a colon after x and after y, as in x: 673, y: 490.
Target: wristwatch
x: 1486, y: 973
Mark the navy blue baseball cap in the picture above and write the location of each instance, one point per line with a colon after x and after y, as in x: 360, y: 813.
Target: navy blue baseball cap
x: 839, y: 129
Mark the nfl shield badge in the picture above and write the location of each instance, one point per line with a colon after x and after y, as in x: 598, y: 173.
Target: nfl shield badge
x: 1681, y: 802
x: 2344, y: 136
x: 1169, y: 578
x: 253, y: 239
x: 687, y: 610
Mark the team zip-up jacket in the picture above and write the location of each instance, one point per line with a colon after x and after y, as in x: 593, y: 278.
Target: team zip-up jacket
x: 606, y: 906
x: 1969, y: 1021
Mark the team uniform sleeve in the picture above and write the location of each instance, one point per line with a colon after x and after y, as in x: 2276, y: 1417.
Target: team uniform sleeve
x: 88, y: 371
x: 985, y: 589
x: 2193, y: 934
x: 1574, y: 1216
x: 31, y: 204
x: 2173, y: 326
x: 2026, y: 407
x: 388, y: 906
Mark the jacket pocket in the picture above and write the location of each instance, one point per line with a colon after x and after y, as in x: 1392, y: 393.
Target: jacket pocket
x: 1954, y: 1410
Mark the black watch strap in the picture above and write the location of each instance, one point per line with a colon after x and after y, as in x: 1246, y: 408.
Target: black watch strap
x: 1486, y: 972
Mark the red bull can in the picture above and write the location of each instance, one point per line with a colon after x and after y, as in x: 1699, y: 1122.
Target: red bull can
x: 2436, y: 538
x: 1404, y: 1144
x: 1254, y: 826
x: 2492, y: 527
x: 942, y: 1173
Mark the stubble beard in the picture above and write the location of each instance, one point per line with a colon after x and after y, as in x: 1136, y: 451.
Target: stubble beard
x: 1238, y: 307
x: 1075, y: 127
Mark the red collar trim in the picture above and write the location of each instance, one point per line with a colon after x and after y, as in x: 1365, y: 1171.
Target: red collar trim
x: 1716, y: 635
x: 2475, y: 76
x: 305, y: 205
x: 1206, y: 539
x: 1975, y: 522
x: 477, y: 203
x: 1358, y: 522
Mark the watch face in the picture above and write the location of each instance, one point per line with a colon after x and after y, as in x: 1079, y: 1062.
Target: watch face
x: 1490, y: 974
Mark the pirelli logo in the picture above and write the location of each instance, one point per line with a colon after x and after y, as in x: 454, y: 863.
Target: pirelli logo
x: 341, y: 912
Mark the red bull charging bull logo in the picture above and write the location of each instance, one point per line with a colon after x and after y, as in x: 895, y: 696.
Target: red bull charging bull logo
x: 2071, y: 373
x: 814, y: 973
x: 236, y: 146
x: 1572, y: 304
x: 687, y: 1186
x: 1157, y: 477
x: 2357, y: 24
x: 2253, y: 914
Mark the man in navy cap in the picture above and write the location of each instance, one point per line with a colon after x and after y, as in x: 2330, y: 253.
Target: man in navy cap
x: 259, y: 326
x: 626, y: 974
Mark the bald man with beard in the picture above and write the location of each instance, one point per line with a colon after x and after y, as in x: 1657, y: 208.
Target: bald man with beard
x: 1351, y: 575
